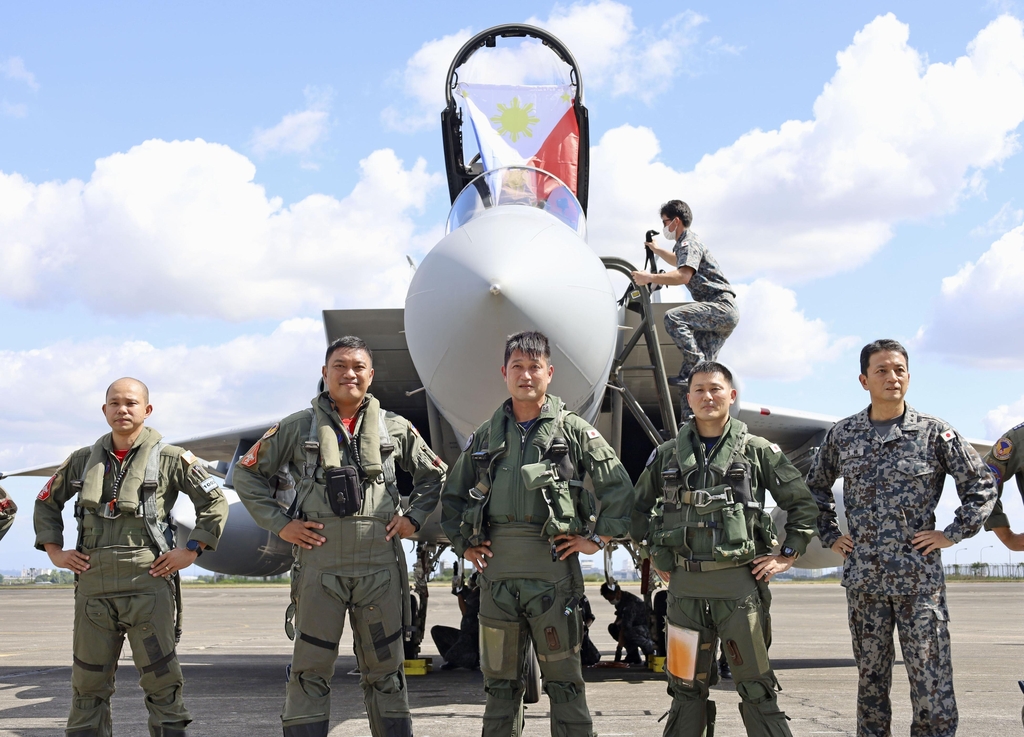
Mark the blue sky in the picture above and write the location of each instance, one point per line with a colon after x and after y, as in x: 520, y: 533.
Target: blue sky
x: 314, y: 142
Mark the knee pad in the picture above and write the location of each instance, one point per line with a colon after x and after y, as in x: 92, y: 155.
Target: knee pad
x: 390, y: 684
x: 561, y: 692
x: 755, y: 692
x: 313, y: 684
x: 510, y: 691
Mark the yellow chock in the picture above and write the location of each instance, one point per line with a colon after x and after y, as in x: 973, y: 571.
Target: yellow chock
x: 656, y: 663
x: 418, y: 667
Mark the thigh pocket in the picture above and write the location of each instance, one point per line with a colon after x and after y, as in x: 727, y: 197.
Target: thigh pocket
x: 381, y: 629
x: 556, y: 632
x: 501, y: 648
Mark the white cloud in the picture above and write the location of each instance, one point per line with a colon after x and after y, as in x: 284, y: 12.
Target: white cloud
x: 893, y: 138
x: 980, y: 309
x: 298, y: 132
x: 14, y: 69
x: 50, y: 397
x: 613, y: 55
x: 190, y: 232
x: 13, y: 109
x: 1007, y: 217
x: 774, y: 339
x: 1003, y: 417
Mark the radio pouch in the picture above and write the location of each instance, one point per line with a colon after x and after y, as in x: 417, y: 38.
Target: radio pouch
x: 344, y: 493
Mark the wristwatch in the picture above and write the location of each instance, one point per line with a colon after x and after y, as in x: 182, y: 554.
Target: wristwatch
x: 595, y: 538
x: 195, y: 547
x: 788, y: 552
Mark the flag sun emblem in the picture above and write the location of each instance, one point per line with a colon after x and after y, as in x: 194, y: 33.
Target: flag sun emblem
x: 515, y: 121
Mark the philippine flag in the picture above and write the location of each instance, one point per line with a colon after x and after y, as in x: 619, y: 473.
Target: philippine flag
x: 525, y: 125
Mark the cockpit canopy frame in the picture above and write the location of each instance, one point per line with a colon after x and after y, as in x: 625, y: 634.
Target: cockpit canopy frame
x: 460, y: 174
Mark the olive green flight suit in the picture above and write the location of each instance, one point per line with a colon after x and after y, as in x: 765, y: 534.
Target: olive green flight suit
x: 7, y: 511
x: 117, y: 596
x: 707, y: 545
x: 356, y: 571
x: 525, y: 595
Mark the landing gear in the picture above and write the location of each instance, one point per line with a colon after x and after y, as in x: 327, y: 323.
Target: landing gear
x: 427, y: 556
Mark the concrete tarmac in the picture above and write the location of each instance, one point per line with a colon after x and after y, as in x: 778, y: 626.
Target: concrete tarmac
x: 234, y: 654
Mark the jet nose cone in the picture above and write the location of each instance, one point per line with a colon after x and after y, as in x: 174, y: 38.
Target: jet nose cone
x: 511, y: 269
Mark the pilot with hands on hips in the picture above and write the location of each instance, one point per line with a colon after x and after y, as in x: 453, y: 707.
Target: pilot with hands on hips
x: 515, y: 507
x: 125, y: 560
x: 347, y: 526
x: 700, y: 515
x: 894, y: 461
x: 1006, y: 459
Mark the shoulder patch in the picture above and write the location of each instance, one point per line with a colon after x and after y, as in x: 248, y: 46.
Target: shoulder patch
x: 949, y: 435
x: 271, y: 431
x: 45, y: 493
x: 996, y: 472
x: 651, y: 457
x: 469, y: 442
x: 775, y: 447
x: 209, y: 484
x: 592, y: 434
x: 250, y: 458
x: 1002, y: 449
x: 188, y: 457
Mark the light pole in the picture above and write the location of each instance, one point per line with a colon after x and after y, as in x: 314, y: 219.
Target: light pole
x: 956, y: 558
x: 981, y: 555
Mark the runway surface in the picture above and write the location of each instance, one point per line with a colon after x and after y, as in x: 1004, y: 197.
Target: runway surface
x: 234, y: 654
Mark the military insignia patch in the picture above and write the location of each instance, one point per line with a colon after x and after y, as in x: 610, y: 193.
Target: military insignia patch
x: 250, y: 458
x: 271, y: 431
x: 208, y: 484
x: 469, y: 442
x: 188, y: 457
x: 948, y: 435
x: 775, y: 447
x: 651, y: 457
x: 592, y: 434
x: 996, y: 472
x: 45, y: 493
x: 1002, y: 449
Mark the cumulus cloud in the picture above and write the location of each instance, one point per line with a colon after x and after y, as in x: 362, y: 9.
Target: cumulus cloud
x: 194, y: 389
x: 774, y: 339
x: 14, y: 69
x: 192, y: 233
x: 298, y: 132
x: 1003, y: 417
x: 614, y: 55
x: 980, y: 309
x: 893, y: 138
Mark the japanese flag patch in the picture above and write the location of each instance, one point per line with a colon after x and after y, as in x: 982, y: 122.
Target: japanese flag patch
x: 45, y: 493
x: 949, y: 435
x: 1002, y: 449
x: 593, y: 434
x: 775, y: 447
x: 188, y: 457
x: 250, y: 458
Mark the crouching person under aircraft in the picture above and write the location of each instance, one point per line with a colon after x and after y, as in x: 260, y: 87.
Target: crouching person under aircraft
x: 711, y: 533
x: 125, y: 560
x: 515, y: 507
x: 347, y: 526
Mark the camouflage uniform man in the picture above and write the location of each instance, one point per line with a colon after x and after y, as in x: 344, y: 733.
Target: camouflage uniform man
x: 631, y: 629
x: 347, y: 526
x: 893, y: 461
x: 701, y: 327
x: 7, y: 511
x: 709, y: 486
x: 125, y: 562
x: 514, y: 506
x: 1005, y: 459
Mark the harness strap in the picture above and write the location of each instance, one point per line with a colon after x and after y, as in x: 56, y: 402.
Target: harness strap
x: 312, y: 450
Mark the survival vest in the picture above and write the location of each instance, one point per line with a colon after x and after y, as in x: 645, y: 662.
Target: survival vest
x: 571, y: 506
x: 373, y: 451
x: 726, y: 507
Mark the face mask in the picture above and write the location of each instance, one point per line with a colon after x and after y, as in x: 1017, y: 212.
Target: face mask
x: 669, y: 235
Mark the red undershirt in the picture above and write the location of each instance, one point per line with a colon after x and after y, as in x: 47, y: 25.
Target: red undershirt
x: 120, y: 454
x: 350, y: 424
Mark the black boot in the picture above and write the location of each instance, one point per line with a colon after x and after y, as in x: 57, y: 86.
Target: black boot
x: 316, y: 729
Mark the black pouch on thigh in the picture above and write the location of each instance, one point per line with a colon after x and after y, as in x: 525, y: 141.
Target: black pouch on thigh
x: 382, y: 633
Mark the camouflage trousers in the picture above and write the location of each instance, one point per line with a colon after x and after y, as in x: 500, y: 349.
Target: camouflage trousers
x: 922, y: 621
x: 700, y: 330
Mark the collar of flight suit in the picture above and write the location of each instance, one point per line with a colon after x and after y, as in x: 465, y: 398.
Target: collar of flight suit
x: 734, y: 430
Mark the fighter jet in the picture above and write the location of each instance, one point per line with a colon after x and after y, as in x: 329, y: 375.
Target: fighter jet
x: 514, y: 257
